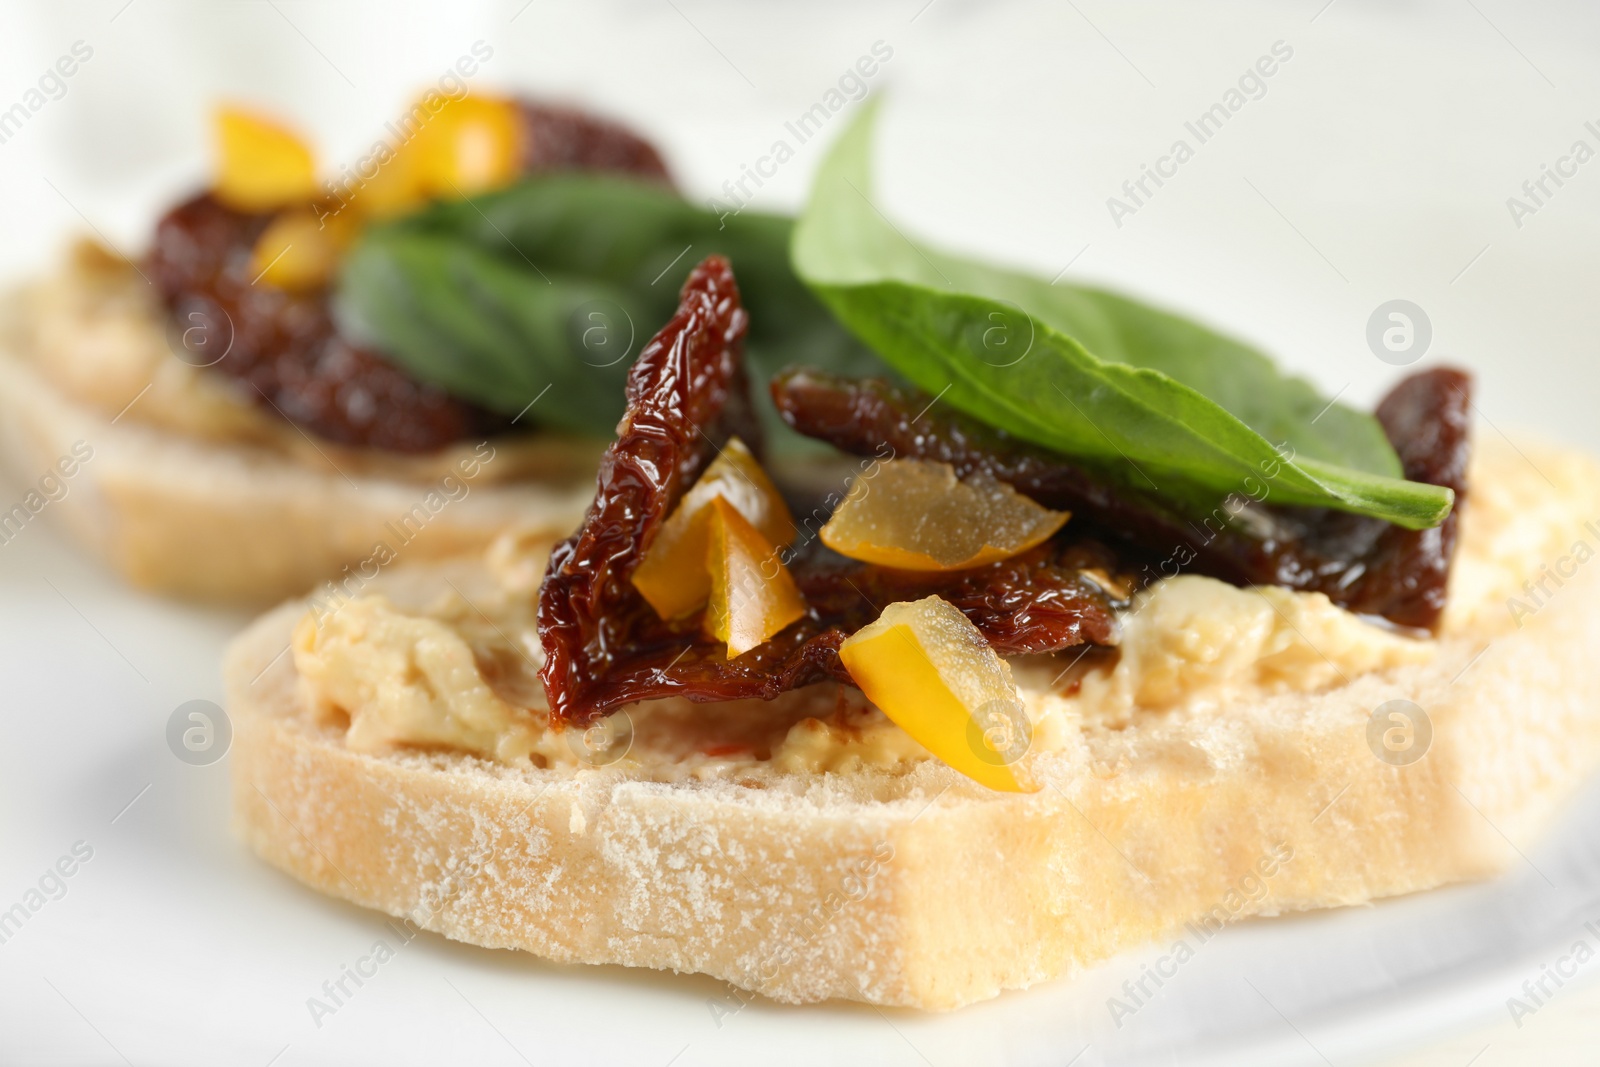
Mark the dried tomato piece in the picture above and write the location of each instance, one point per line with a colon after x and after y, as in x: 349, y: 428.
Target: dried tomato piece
x: 1041, y: 601
x: 286, y: 346
x: 605, y: 647
x: 564, y: 138
x: 699, y: 670
x: 679, y: 413
x: 863, y: 416
x: 1399, y: 574
x: 1363, y: 564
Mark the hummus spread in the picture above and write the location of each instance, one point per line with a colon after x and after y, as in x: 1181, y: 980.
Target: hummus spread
x: 462, y: 674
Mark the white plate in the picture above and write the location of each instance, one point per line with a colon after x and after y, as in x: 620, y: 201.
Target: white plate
x: 1376, y: 165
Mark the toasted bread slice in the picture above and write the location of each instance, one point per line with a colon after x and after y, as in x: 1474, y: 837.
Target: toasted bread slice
x: 190, y: 489
x: 909, y: 884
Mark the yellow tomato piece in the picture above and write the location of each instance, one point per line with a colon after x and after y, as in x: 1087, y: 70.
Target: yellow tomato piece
x: 468, y: 146
x: 261, y: 164
x: 932, y: 672
x: 298, y: 251
x: 917, y: 515
x: 752, y: 594
x: 673, y: 577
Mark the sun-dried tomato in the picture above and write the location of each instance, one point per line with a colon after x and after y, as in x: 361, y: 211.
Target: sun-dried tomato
x: 286, y: 346
x: 678, y: 414
x: 1376, y: 568
x: 1041, y: 601
x: 1363, y: 564
x: 565, y: 138
x: 604, y: 646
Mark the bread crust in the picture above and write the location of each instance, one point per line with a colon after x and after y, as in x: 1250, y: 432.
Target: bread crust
x: 921, y: 888
x: 232, y: 521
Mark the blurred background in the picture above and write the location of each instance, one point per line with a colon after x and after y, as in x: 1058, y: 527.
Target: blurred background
x: 1375, y: 164
x: 1397, y: 151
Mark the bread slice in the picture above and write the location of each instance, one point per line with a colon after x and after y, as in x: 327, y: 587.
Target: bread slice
x: 911, y: 885
x: 189, y: 490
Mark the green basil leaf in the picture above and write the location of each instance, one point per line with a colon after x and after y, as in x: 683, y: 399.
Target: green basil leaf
x: 549, y: 288
x: 1160, y: 402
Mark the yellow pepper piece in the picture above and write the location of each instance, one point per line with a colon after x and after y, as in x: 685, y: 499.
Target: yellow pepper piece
x: 395, y: 187
x: 468, y: 146
x: 917, y: 515
x: 261, y: 165
x: 297, y: 251
x: 752, y: 594
x: 673, y: 577
x: 930, y: 670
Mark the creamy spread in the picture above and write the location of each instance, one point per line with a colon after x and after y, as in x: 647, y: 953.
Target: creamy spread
x: 1195, y: 643
x: 461, y: 674
x: 406, y: 680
